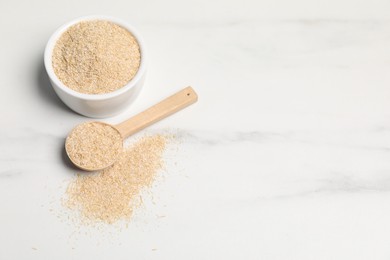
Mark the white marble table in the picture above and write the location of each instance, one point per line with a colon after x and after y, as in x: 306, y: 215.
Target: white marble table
x: 285, y: 156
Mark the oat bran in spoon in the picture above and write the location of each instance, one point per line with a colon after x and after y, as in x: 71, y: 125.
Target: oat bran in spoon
x: 95, y: 146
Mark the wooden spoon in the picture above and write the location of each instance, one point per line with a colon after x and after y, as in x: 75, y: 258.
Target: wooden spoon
x: 98, y: 156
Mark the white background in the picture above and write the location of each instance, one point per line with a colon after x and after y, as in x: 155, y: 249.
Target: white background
x: 285, y: 156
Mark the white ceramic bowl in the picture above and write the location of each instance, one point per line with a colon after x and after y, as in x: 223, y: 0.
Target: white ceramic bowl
x: 99, y: 105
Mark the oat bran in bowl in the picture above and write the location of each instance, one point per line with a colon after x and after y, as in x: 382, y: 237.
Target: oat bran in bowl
x: 96, y: 65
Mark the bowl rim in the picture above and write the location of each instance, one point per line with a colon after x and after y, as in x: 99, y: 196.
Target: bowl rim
x: 58, y: 83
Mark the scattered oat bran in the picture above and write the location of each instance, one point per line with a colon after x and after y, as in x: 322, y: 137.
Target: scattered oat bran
x: 96, y: 57
x: 93, y: 145
x: 112, y: 194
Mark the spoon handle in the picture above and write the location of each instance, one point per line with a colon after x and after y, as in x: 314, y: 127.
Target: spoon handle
x: 161, y: 110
